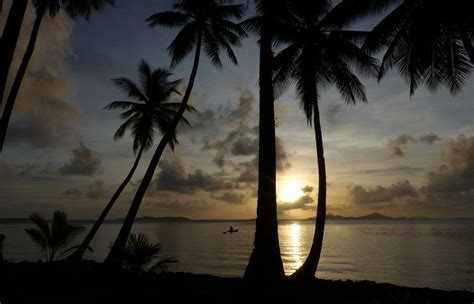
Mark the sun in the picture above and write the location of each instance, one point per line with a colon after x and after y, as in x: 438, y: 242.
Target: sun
x: 290, y: 191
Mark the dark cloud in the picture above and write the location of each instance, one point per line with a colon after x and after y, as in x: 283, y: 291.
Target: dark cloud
x: 457, y: 174
x: 231, y: 197
x: 97, y: 190
x: 72, y: 192
x: 182, y: 206
x: 380, y: 194
x: 450, y: 185
x: 303, y: 203
x: 83, y: 162
x: 398, y: 145
x: 173, y: 177
x: 430, y: 138
x: 307, y: 189
x: 242, y: 140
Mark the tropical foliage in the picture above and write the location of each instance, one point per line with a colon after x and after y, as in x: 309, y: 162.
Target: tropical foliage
x: 52, y: 240
x: 140, y: 254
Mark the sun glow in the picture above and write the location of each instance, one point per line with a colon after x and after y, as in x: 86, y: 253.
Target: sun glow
x: 290, y: 191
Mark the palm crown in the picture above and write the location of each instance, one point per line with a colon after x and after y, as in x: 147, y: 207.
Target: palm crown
x: 320, y: 54
x: 205, y: 20
x: 428, y: 41
x: 149, y: 108
x: 74, y: 8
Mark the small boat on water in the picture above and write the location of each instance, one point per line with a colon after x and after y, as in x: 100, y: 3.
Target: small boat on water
x: 231, y: 230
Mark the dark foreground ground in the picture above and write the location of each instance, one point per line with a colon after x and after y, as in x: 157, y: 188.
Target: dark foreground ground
x: 93, y: 283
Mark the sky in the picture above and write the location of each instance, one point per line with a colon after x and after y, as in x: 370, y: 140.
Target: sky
x: 395, y: 154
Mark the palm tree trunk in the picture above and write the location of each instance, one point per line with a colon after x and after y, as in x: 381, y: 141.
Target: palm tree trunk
x: 11, y: 32
x: 309, y: 267
x: 265, y: 264
x: 7, y: 111
x: 79, y: 252
x: 116, y: 253
x: 467, y: 45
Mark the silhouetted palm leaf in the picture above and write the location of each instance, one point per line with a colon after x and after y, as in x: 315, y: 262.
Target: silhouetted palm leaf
x: 52, y: 241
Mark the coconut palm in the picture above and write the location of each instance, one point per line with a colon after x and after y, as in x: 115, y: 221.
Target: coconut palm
x: 140, y: 253
x: 319, y: 54
x: 74, y: 8
x: 265, y: 262
x: 9, y: 39
x: 52, y: 240
x: 204, y: 24
x: 148, y: 111
x: 428, y: 41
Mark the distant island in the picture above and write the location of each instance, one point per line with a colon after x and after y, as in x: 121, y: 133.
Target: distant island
x: 380, y: 216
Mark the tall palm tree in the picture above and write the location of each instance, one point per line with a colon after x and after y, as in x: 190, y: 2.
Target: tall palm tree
x: 9, y: 39
x: 74, y: 8
x: 149, y: 110
x: 52, y: 240
x: 207, y: 24
x: 430, y: 41
x: 265, y: 262
x: 319, y: 54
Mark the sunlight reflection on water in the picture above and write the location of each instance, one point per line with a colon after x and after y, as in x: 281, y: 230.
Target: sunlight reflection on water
x: 420, y: 254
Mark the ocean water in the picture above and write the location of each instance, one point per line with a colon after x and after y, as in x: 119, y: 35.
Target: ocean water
x: 436, y: 254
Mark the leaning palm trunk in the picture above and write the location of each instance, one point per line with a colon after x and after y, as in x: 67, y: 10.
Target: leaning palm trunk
x: 309, y: 267
x: 265, y: 262
x: 79, y: 252
x: 7, y: 111
x: 116, y: 253
x: 9, y: 40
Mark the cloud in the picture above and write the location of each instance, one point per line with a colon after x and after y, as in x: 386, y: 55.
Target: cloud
x: 380, y: 194
x: 83, y: 162
x: 242, y: 140
x: 182, y: 206
x: 449, y: 185
x: 457, y: 174
x: 97, y: 190
x: 44, y: 114
x: 304, y: 203
x: 173, y: 177
x: 430, y: 138
x: 72, y: 192
x: 231, y: 197
x: 307, y: 189
x: 398, y: 145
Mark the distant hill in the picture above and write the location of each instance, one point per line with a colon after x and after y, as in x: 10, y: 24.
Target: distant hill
x: 371, y: 216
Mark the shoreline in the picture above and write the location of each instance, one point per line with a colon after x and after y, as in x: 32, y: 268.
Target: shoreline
x: 92, y: 282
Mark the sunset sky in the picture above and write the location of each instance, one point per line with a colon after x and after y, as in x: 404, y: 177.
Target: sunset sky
x: 396, y: 155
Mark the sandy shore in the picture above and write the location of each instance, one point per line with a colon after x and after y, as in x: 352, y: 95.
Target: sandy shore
x: 93, y: 283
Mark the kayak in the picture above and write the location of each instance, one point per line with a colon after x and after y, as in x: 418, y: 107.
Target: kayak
x: 236, y: 230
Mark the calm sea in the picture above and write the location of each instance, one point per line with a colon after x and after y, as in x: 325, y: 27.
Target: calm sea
x: 437, y: 254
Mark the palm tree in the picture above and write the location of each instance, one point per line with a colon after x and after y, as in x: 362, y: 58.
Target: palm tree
x: 207, y: 24
x: 265, y: 262
x: 429, y: 41
x: 148, y: 110
x: 74, y: 9
x: 9, y: 39
x: 319, y: 54
x: 52, y: 240
x: 140, y: 252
